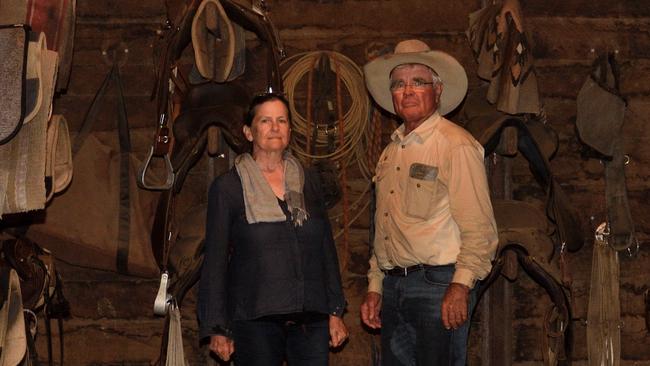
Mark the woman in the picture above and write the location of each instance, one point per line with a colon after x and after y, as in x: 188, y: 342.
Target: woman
x: 270, y: 286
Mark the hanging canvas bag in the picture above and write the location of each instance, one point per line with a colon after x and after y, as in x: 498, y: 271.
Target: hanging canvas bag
x: 102, y: 220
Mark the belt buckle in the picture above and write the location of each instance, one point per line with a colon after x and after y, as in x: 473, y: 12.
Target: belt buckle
x: 406, y: 271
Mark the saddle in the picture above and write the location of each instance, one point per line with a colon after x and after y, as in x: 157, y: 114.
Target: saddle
x: 35, y: 268
x: 528, y: 137
x: 24, y: 157
x: 522, y: 222
x: 558, y: 336
x: 250, y: 18
x: 177, y: 242
x: 223, y: 105
x: 524, y: 231
x: 204, y: 105
x: 13, y: 340
x: 40, y: 288
x: 532, y: 234
x: 58, y: 164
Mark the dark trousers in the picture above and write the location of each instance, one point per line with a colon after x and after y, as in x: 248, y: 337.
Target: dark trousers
x: 412, y: 332
x: 269, y: 341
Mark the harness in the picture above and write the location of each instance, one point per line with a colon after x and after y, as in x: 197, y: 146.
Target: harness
x: 194, y: 110
x: 599, y: 122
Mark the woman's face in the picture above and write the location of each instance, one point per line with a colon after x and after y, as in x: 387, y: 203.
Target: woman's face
x: 269, y: 131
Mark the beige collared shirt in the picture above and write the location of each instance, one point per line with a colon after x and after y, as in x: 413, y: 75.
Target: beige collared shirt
x: 433, y: 204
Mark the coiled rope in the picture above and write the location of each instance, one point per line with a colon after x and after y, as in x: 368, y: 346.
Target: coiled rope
x: 354, y: 119
x: 357, y: 137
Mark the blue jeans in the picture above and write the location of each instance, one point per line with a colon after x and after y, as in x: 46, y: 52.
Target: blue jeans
x: 268, y: 342
x: 412, y: 332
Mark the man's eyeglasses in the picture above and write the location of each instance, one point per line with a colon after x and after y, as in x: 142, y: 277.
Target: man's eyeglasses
x: 399, y: 85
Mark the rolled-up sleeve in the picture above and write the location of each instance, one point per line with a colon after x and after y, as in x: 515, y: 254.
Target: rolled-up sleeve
x: 471, y: 209
x: 375, y: 275
x: 212, y: 296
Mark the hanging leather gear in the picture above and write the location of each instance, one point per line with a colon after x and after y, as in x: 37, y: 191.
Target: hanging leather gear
x: 599, y: 120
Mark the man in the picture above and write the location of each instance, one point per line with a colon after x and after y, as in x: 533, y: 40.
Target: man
x: 435, y: 230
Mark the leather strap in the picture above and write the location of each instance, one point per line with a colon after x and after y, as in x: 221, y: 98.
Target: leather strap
x: 556, y: 340
x: 48, y: 333
x: 125, y: 183
x: 31, y: 357
x: 91, y: 115
x: 59, y: 308
x: 619, y: 214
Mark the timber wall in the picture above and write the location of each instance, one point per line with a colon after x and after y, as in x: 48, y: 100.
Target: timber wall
x: 112, y: 321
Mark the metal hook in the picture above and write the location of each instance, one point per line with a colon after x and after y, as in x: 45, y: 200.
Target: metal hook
x: 114, y: 52
x: 637, y: 247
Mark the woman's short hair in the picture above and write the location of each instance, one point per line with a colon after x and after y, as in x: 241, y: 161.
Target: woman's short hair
x: 261, y: 99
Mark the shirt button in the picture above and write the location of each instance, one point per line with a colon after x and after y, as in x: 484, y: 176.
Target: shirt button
x: 386, y: 214
x: 403, y: 146
x: 418, y: 185
x: 391, y: 191
x: 397, y: 168
x: 386, y: 237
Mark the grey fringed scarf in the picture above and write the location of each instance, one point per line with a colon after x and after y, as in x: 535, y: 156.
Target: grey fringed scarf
x: 260, y: 201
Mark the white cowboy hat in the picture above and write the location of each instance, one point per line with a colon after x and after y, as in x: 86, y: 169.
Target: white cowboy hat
x: 413, y: 51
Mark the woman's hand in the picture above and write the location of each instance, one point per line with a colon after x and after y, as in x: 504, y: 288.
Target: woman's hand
x: 222, y: 346
x: 338, y: 331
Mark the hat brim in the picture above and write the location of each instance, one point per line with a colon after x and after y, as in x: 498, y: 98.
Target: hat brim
x: 450, y: 71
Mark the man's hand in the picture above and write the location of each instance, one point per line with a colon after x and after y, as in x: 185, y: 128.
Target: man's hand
x: 222, y: 346
x: 454, y: 305
x: 370, y: 310
x: 338, y: 331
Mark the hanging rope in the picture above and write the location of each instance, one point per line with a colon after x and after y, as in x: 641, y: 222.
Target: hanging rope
x: 356, y: 137
x: 309, y: 120
x: 344, y: 175
x: 354, y: 119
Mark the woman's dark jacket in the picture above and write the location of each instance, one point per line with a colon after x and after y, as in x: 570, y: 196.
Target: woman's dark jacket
x: 254, y: 270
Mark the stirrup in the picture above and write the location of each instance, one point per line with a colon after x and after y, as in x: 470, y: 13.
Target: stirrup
x: 163, y: 299
x: 145, y: 167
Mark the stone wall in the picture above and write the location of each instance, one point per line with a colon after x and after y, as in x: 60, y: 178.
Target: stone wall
x: 112, y: 321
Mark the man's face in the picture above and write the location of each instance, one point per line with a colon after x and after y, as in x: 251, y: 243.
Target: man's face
x: 413, y: 104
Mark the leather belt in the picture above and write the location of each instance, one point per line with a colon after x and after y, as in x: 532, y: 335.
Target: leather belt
x: 404, y: 271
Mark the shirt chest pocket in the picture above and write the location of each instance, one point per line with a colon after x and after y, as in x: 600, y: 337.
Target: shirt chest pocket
x: 421, y: 190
